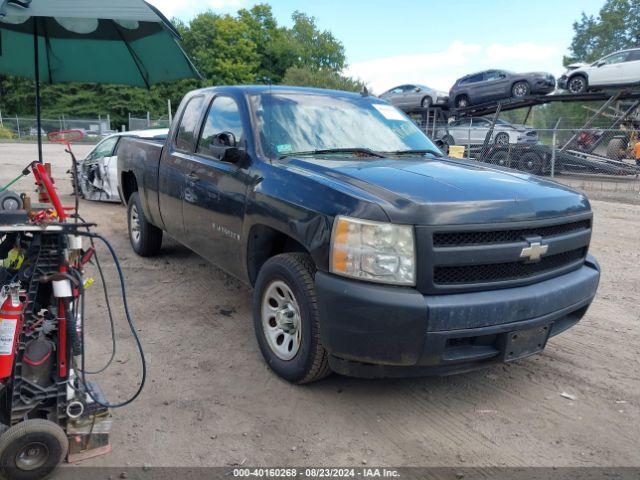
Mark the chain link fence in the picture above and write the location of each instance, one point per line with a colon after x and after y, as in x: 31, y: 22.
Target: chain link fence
x: 146, y: 123
x: 604, y: 161
x: 15, y: 128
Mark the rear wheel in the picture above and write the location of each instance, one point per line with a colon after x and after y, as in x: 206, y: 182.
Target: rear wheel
x: 520, y: 89
x: 286, y: 318
x: 145, y: 238
x: 462, y: 101
x: 32, y: 449
x: 577, y: 84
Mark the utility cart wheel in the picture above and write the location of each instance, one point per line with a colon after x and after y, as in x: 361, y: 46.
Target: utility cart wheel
x: 32, y: 449
x: 286, y: 318
x: 146, y: 239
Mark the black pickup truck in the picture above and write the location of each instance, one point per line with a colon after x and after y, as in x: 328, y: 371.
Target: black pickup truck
x: 370, y: 253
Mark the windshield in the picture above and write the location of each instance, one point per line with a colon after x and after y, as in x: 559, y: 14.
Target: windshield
x: 306, y: 122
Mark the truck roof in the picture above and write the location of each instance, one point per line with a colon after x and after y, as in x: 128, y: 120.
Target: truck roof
x: 258, y: 89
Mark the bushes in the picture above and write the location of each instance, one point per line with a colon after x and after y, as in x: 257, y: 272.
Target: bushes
x: 6, y: 134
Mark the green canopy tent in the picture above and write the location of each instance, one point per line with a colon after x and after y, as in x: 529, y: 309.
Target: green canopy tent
x: 126, y: 42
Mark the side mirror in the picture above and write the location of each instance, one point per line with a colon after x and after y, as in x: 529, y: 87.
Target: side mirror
x: 600, y: 63
x: 226, y: 139
x: 418, y: 89
x: 234, y: 155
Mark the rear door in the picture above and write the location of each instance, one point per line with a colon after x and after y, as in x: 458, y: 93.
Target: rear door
x: 479, y: 130
x: 174, y: 166
x: 215, y: 190
x: 631, y: 68
x: 460, y: 130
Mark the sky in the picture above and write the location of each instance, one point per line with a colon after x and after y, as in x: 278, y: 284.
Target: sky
x: 430, y: 42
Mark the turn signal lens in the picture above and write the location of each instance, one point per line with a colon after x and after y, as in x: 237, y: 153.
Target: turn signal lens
x: 373, y: 251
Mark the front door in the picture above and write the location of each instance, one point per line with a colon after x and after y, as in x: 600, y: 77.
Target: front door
x: 496, y: 85
x: 215, y: 190
x: 610, y: 70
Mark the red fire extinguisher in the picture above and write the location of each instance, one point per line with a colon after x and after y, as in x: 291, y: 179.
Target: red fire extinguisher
x: 10, y: 327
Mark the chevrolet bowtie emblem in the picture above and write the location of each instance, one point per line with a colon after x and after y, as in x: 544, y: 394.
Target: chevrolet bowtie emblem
x: 534, y: 252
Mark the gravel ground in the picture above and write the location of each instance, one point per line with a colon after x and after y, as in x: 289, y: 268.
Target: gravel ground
x: 211, y: 401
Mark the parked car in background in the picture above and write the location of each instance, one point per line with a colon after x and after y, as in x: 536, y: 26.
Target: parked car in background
x: 409, y: 97
x: 617, y: 69
x: 98, y: 172
x: 498, y: 85
x: 474, y: 131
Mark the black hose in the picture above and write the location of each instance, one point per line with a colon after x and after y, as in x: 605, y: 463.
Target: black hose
x: 131, y: 326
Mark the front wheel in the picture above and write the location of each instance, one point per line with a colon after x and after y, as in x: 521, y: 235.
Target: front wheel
x: 32, y: 449
x: 145, y: 238
x: 502, y: 139
x: 520, y: 89
x: 577, y: 84
x: 531, y: 163
x: 426, y: 102
x: 462, y: 101
x: 286, y: 319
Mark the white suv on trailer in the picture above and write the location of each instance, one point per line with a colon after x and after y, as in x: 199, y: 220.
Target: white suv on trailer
x: 618, y: 69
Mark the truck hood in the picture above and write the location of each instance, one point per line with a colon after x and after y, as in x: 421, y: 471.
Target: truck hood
x: 445, y: 191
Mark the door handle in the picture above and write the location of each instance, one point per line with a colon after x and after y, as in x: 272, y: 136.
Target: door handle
x: 193, y: 177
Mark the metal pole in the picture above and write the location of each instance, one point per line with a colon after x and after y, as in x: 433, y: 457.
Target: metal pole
x: 18, y: 127
x: 469, y: 143
x: 36, y: 52
x: 554, y: 148
x: 170, y: 112
x: 1, y: 123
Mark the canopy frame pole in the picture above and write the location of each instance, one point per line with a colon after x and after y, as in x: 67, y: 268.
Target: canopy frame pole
x: 36, y: 55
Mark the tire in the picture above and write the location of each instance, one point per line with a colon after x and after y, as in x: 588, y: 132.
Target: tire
x: 520, y: 89
x: 10, y: 201
x: 616, y: 149
x: 531, y: 162
x: 501, y: 138
x: 577, y: 84
x: 500, y: 158
x: 448, y: 140
x: 145, y: 238
x: 285, y: 292
x: 32, y: 449
x: 426, y: 102
x: 462, y: 101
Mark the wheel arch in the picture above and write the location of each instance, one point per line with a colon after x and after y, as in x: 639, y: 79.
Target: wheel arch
x: 265, y: 242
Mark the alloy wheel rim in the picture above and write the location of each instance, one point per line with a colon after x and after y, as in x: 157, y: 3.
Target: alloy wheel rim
x: 520, y: 90
x: 32, y: 456
x: 281, y: 322
x: 135, y: 224
x: 502, y: 139
x: 576, y: 85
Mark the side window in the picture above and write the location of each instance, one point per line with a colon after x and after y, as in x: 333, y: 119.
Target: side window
x: 495, y: 75
x: 480, y: 122
x: 188, y: 129
x: 105, y: 148
x: 223, y: 116
x: 616, y: 58
x: 397, y: 90
x: 473, y: 79
x: 634, y: 56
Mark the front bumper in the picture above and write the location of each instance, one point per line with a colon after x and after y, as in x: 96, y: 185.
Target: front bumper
x: 543, y: 85
x: 562, y: 82
x: 381, y: 331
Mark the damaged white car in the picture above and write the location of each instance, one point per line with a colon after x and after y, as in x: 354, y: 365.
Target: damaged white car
x: 98, y: 172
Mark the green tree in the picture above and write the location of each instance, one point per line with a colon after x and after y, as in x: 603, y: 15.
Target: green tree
x: 309, y: 77
x: 316, y: 49
x: 617, y: 26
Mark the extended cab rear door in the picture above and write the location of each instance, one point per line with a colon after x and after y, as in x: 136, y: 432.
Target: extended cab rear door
x: 215, y: 189
x: 174, y: 165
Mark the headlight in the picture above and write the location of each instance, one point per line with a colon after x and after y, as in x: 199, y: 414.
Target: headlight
x: 373, y: 251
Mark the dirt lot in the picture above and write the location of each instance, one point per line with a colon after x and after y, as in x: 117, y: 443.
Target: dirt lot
x: 211, y: 401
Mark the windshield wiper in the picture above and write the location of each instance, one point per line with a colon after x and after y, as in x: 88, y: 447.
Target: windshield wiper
x: 415, y: 152
x: 328, y: 151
